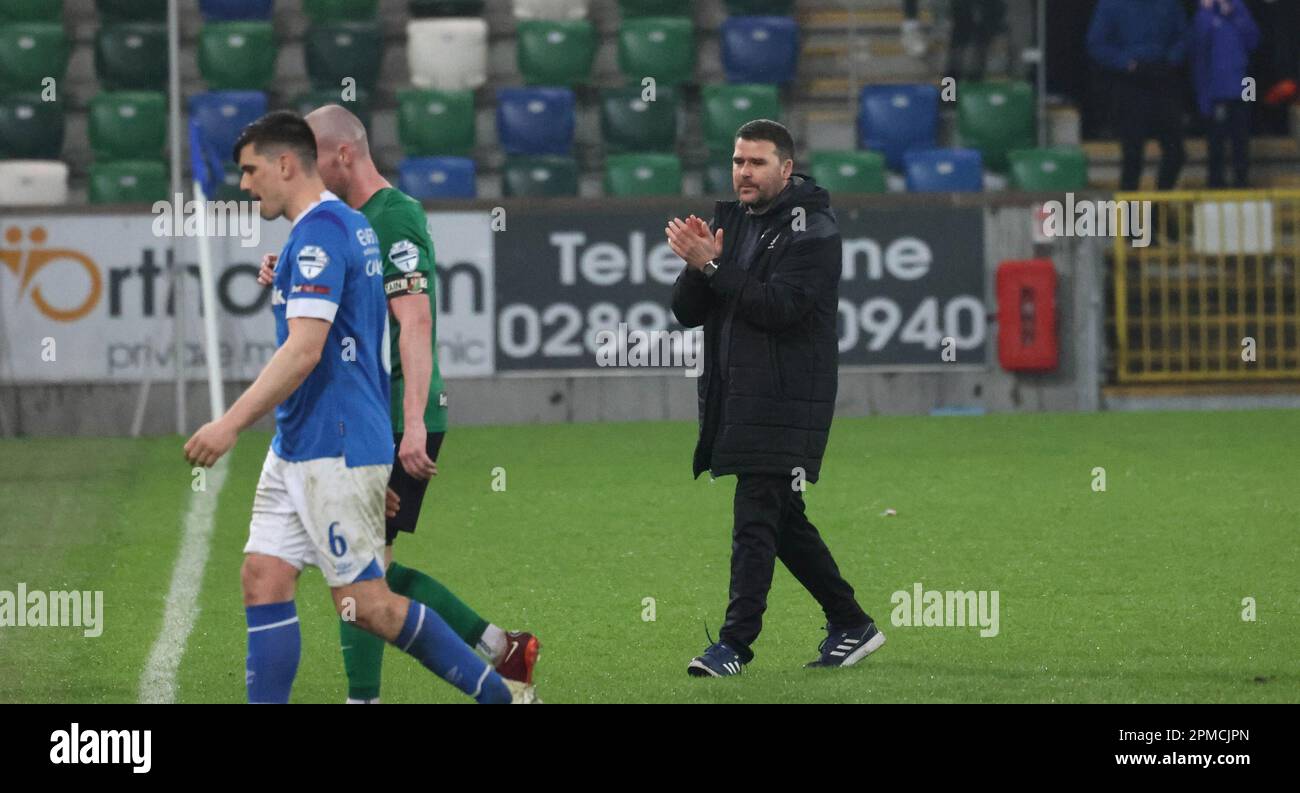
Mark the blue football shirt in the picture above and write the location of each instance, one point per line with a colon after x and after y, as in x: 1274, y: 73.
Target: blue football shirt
x: 331, y: 269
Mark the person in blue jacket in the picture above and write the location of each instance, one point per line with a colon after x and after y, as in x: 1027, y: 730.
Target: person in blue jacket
x: 1143, y: 44
x: 1224, y: 35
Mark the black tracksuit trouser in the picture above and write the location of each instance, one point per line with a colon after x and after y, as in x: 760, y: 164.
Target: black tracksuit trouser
x: 770, y: 524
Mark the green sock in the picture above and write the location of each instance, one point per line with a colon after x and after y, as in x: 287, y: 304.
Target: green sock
x: 420, y: 587
x: 363, y: 660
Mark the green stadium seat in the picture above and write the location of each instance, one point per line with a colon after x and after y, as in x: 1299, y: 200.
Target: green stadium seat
x: 654, y: 8
x: 132, y: 10
x: 421, y: 9
x: 237, y: 55
x: 555, y: 52
x: 849, y: 171
x: 433, y: 123
x: 128, y: 182
x: 128, y: 125
x: 643, y: 175
x: 658, y: 47
x: 336, y: 50
x: 360, y: 106
x: 631, y: 124
x: 995, y: 118
x: 31, y: 11
x: 717, y: 178
x: 29, y: 128
x: 540, y: 176
x: 760, y: 8
x: 340, y: 10
x: 132, y: 56
x: 30, y: 52
x: 1060, y: 169
x: 727, y: 107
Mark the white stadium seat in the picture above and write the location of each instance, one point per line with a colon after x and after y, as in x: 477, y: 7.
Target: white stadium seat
x: 551, y: 9
x: 448, y: 54
x: 33, y: 183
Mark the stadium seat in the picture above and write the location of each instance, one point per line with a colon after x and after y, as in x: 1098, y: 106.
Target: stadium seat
x: 33, y: 183
x: 231, y: 10
x: 944, y: 171
x: 1060, y: 169
x: 551, y: 9
x: 222, y: 115
x: 128, y: 182
x: 895, y: 118
x: 726, y: 107
x: 535, y: 120
x: 229, y: 190
x: 360, y: 106
x: 31, y: 11
x: 654, y: 8
x: 643, y: 175
x: 629, y: 123
x: 237, y: 55
x: 340, y: 10
x: 437, y: 177
x: 849, y: 171
x: 760, y: 49
x: 30, y: 52
x: 132, y: 10
x: 446, y: 8
x: 996, y: 118
x: 29, y: 128
x: 774, y: 8
x: 448, y: 54
x: 717, y: 178
x: 128, y: 125
x: 658, y: 47
x: 435, y: 122
x: 543, y: 176
x: 336, y: 50
x: 132, y: 56
x: 553, y: 52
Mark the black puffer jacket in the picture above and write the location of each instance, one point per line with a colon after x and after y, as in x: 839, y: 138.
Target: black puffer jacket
x: 767, y: 392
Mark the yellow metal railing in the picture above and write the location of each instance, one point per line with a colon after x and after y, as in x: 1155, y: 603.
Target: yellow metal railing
x: 1214, y: 294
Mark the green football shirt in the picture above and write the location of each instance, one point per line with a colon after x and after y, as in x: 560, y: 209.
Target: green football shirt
x: 403, y: 232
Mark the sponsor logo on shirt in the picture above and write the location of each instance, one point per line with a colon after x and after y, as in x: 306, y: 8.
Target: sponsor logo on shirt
x: 315, y: 289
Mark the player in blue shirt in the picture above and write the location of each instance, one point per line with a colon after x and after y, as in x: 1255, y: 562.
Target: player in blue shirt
x: 321, y: 496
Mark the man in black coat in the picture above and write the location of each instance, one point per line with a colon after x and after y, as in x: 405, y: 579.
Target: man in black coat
x: 763, y: 280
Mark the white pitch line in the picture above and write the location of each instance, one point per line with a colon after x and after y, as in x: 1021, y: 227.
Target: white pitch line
x: 158, y: 682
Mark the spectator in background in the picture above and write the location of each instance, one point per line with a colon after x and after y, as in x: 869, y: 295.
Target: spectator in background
x: 1224, y: 35
x: 1143, y: 43
x: 975, y: 23
x: 913, y: 38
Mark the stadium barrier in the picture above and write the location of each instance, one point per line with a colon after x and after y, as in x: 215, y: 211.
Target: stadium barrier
x: 1213, y: 297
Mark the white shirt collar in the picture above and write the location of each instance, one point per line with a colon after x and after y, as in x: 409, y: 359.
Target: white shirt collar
x: 325, y: 196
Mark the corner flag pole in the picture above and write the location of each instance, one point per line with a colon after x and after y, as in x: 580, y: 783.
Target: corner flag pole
x: 177, y: 273
x: 206, y: 175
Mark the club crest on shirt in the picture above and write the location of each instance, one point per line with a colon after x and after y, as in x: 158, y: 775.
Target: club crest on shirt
x: 312, y: 259
x: 404, y: 255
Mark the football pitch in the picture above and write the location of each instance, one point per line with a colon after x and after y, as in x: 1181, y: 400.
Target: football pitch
x: 1179, y: 582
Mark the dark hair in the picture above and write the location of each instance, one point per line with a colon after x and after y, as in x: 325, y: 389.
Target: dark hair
x: 766, y: 129
x: 279, y: 129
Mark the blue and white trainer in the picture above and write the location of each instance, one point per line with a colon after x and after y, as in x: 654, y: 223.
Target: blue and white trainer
x: 717, y: 661
x: 846, y: 648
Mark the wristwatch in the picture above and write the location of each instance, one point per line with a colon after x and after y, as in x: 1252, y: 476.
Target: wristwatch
x: 710, y: 267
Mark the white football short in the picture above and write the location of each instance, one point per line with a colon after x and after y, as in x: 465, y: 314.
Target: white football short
x: 322, y: 513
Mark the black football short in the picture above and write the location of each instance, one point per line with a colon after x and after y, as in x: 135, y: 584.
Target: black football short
x: 409, y: 489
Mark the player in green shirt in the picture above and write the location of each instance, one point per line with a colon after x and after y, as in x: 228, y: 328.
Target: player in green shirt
x: 419, y: 404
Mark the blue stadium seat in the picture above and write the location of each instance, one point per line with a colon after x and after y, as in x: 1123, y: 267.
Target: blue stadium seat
x: 944, y: 171
x: 231, y: 10
x: 893, y: 119
x: 222, y: 115
x: 760, y: 49
x: 535, y: 120
x: 437, y: 177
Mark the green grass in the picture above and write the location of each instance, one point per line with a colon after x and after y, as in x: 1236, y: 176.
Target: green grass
x: 1132, y: 594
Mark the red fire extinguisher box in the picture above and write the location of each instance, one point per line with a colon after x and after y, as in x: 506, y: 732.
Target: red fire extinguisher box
x: 1027, y: 316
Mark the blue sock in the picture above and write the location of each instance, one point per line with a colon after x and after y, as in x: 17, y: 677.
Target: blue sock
x: 432, y: 642
x: 274, y: 645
